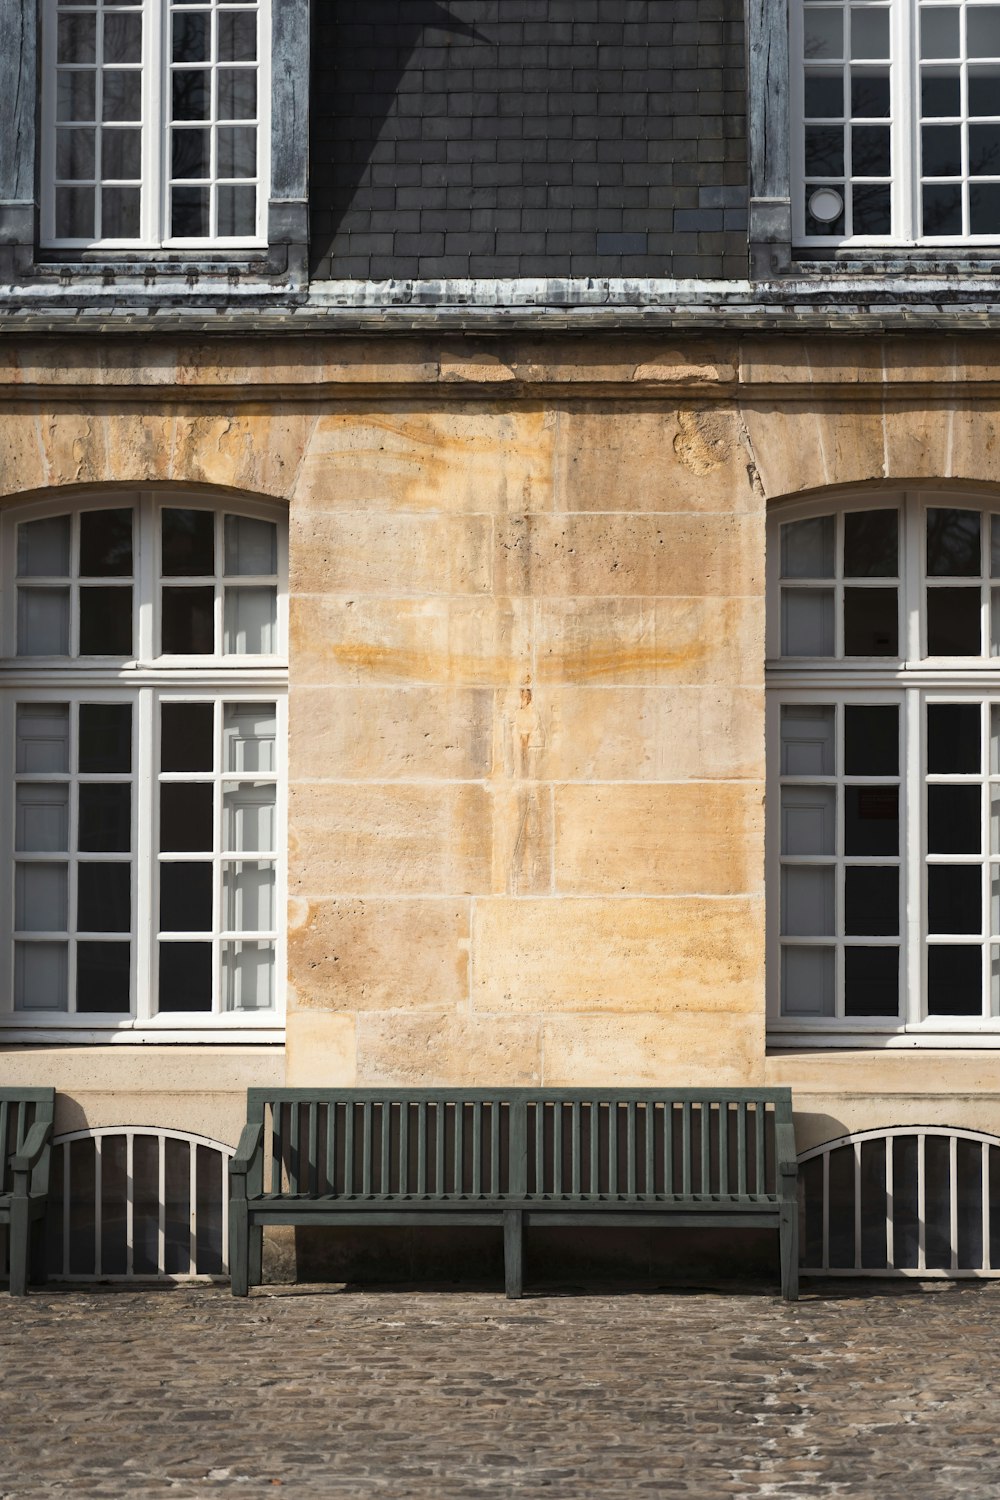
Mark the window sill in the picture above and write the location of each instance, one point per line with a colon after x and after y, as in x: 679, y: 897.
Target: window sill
x: 985, y: 1036
x: 212, y: 1034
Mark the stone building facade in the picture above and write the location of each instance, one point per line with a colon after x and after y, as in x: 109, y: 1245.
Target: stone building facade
x: 528, y: 418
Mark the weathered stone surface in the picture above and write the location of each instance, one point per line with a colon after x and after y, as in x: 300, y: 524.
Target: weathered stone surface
x: 422, y: 1050
x: 382, y: 954
x: 373, y: 554
x: 320, y: 1050
x: 383, y: 733
x: 667, y: 955
x: 711, y: 1049
x: 659, y: 840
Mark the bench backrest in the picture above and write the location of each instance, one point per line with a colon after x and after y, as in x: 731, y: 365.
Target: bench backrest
x: 19, y: 1109
x: 571, y: 1145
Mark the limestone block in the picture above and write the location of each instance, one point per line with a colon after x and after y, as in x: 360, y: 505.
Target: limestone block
x: 661, y: 641
x: 320, y: 1050
x: 609, y: 457
x: 475, y: 457
x: 352, y: 553
x: 381, y: 954
x: 522, y: 838
x: 797, y: 447
x: 669, y: 839
x: 381, y: 733
x: 649, y: 733
x: 394, y: 838
x: 920, y: 440
x: 476, y: 642
x: 679, y: 954
x: 616, y: 554
x: 642, y: 1051
x: 975, y: 441
x: 422, y: 1050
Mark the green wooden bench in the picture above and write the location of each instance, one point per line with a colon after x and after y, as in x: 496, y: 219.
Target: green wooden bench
x: 722, y: 1158
x: 25, y: 1144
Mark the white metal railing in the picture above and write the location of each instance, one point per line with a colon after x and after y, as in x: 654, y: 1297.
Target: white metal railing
x: 905, y: 1201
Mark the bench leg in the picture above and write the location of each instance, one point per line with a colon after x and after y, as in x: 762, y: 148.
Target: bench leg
x: 239, y: 1247
x: 513, y: 1252
x: 256, y: 1254
x: 790, y: 1252
x: 18, y: 1239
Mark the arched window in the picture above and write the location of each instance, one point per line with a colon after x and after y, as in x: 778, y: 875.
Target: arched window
x: 142, y: 733
x: 884, y: 767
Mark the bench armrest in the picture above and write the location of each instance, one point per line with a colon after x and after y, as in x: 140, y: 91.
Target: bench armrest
x: 788, y: 1165
x: 251, y: 1142
x: 29, y: 1155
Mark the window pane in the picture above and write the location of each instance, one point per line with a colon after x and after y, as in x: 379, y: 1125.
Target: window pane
x: 871, y: 981
x: 984, y: 204
x: 807, y: 622
x: 106, y: 543
x: 237, y: 36
x: 237, y: 212
x: 122, y: 96
x: 43, y: 548
x: 942, y: 210
x: 247, y: 976
x: 872, y: 208
x: 249, y: 732
x: 105, y: 737
x: 871, y: 820
x: 824, y: 154
x: 869, y: 33
x: 186, y: 736
x: 248, y: 897
x: 237, y: 157
x: 185, y: 977
x: 824, y: 96
x: 42, y: 737
x: 188, y: 543
x: 42, y: 622
x: 186, y: 818
x: 40, y: 898
x: 42, y: 818
x: 871, y: 150
x: 983, y: 30
x: 248, y: 819
x: 954, y: 623
x: 105, y: 818
x: 40, y: 976
x: 871, y: 740
x: 954, y: 820
x: 871, y: 901
x: 871, y: 544
x: 807, y: 981
x: 191, y: 153
x: 189, y: 212
x: 953, y: 738
x: 807, y: 548
x: 123, y: 37
x: 104, y: 897
x: 105, y: 621
x: 188, y: 621
x: 807, y: 901
x: 191, y: 92
x: 75, y: 96
x: 939, y: 31
x: 954, y: 899
x: 984, y: 150
x: 252, y: 547
x: 103, y: 978
x: 823, y: 33
x: 185, y: 897
x: 953, y: 548
x: 237, y: 93
x: 75, y: 154
x: 192, y: 36
x: 941, y: 151
x: 870, y: 622
x: 808, y: 819
x: 76, y: 39
x: 250, y: 621
x: 75, y: 213
x: 954, y: 980
x: 870, y: 94
x: 120, y: 213
x: 807, y: 740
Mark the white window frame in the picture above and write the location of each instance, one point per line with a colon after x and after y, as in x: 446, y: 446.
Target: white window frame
x: 911, y: 681
x: 156, y: 71
x: 143, y: 681
x: 904, y: 123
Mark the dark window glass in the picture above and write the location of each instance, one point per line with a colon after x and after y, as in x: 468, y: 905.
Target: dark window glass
x: 871, y: 740
x: 954, y: 626
x: 840, y: 1222
x: 871, y: 820
x: 984, y: 90
x: 870, y: 150
x: 105, y: 818
x: 105, y: 621
x: 871, y: 981
x: 192, y: 37
x: 905, y: 1202
x: 825, y: 150
x: 874, y: 1202
x: 871, y: 622
x: 191, y: 154
x: 102, y: 978
x: 954, y: 820
x: 106, y: 544
x: 937, y: 1202
x: 188, y: 538
x: 953, y: 738
x: 105, y: 737
x: 870, y: 95
x: 940, y: 95
x: 941, y: 147
x: 185, y: 976
x: 954, y: 980
x: 872, y: 209
x: 189, y: 213
x: 942, y: 209
x: 104, y: 897
x: 824, y: 96
x: 188, y: 621
x: 186, y: 736
x: 984, y: 150
x: 822, y: 226
x: 185, y: 817
x: 953, y: 548
x: 871, y: 901
x: 192, y: 94
x: 984, y: 208
x: 954, y: 899
x: 871, y: 544
x: 185, y: 897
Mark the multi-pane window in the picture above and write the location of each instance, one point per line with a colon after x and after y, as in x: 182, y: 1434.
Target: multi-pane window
x: 142, y: 728
x: 884, y: 723
x: 897, y: 121
x: 154, y: 123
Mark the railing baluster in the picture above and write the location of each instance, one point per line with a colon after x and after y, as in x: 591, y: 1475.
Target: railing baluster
x: 537, y: 1110
x: 349, y: 1148
x: 686, y: 1147
x: 705, y: 1116
x: 385, y: 1121
x: 613, y: 1148
x: 724, y: 1147
x: 422, y: 1149
x: 630, y: 1148
x: 366, y: 1148
x: 574, y: 1144
x: 313, y: 1152
x: 649, y: 1126
x: 496, y: 1115
x: 477, y: 1148
x: 331, y: 1148
x: 595, y: 1141
x: 458, y: 1180
x: 668, y: 1147
x: 440, y: 1131
x: 557, y: 1148
x: 741, y: 1147
x: 404, y: 1146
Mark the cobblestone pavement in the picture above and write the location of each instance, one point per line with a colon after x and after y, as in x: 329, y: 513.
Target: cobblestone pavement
x: 398, y: 1393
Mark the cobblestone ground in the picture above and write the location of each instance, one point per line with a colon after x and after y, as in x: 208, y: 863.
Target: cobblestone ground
x: 398, y: 1393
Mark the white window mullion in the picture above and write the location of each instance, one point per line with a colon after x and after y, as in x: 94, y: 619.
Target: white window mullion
x: 912, y: 849
x: 906, y: 121
x: 146, y: 884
